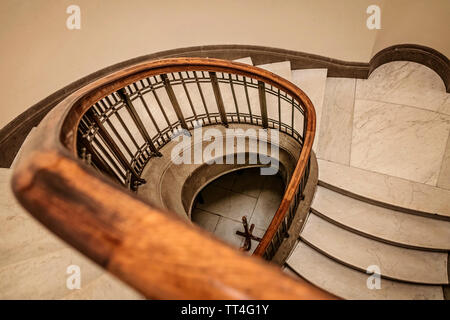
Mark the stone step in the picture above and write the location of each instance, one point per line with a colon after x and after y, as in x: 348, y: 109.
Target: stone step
x: 21, y: 236
x: 29, y: 253
x: 389, y: 191
x: 45, y: 276
x: 105, y: 287
x: 359, y: 252
x: 282, y: 69
x: 402, y: 229
x: 14, y: 163
x: 313, y: 83
x: 351, y: 284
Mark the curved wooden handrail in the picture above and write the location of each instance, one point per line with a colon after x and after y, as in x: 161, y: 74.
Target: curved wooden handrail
x: 153, y: 251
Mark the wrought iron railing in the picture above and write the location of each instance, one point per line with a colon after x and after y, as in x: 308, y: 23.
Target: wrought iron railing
x: 118, y: 123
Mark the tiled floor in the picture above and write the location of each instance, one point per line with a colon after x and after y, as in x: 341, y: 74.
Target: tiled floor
x: 237, y: 194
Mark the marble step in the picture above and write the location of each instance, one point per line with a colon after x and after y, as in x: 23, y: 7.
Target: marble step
x: 282, y: 69
x: 21, y: 236
x: 359, y: 252
x: 105, y: 287
x: 30, y: 134
x: 394, y: 227
x: 29, y: 253
x: 313, y: 83
x: 45, y: 276
x: 395, y: 193
x: 348, y: 283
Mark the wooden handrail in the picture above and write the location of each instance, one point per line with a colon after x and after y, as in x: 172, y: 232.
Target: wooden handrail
x: 152, y: 250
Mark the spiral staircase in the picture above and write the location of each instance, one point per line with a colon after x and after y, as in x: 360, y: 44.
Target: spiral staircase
x: 336, y: 218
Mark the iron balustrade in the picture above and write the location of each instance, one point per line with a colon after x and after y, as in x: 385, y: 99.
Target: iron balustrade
x: 118, y: 122
x: 122, y: 131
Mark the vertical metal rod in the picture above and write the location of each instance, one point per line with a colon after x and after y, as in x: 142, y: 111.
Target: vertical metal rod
x: 174, y: 101
x: 234, y: 97
x: 279, y: 110
x: 201, y: 96
x: 158, y: 101
x: 218, y: 96
x: 108, y: 156
x: 137, y: 120
x: 119, y: 137
x: 112, y: 144
x: 97, y: 160
x: 263, y: 104
x: 292, y: 120
x: 117, y: 114
x: 149, y: 113
x: 248, y: 101
x: 188, y: 95
x: 93, y: 130
x: 124, y: 126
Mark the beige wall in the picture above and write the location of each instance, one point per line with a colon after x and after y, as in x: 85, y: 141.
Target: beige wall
x: 425, y: 22
x: 40, y: 55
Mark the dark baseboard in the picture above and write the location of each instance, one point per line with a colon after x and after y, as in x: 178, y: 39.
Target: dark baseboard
x: 15, y: 132
x: 410, y: 52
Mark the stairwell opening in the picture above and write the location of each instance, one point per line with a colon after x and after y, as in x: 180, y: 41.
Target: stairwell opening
x: 221, y: 205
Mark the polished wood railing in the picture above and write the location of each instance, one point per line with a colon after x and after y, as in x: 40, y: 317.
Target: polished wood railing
x: 154, y: 251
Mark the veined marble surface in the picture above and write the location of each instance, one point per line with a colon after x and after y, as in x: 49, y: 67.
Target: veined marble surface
x: 444, y: 175
x: 406, y: 83
x: 387, y: 189
x: 400, y: 141
x: 397, y: 263
x: 312, y: 82
x: 350, y: 284
x: 337, y: 120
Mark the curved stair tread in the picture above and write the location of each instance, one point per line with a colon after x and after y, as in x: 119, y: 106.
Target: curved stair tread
x: 44, y: 276
x: 313, y: 83
x: 417, y: 197
x: 105, y: 287
x: 282, y: 69
x: 381, y: 223
x: 22, y: 237
x: 360, y: 252
x: 348, y: 283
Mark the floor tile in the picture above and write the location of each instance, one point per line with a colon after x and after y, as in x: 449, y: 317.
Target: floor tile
x: 226, y: 203
x: 226, y: 230
x: 268, y: 202
x: 248, y: 182
x: 206, y: 220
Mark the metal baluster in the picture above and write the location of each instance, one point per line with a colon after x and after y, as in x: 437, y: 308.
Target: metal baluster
x: 202, y: 96
x: 263, y: 103
x: 119, y: 137
x: 292, y: 119
x: 279, y: 110
x: 218, y: 96
x: 97, y: 160
x: 248, y: 101
x: 158, y: 101
x: 113, y: 146
x: 122, y: 123
x: 137, y: 120
x: 234, y: 98
x: 149, y: 113
x: 188, y: 95
x: 174, y: 101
